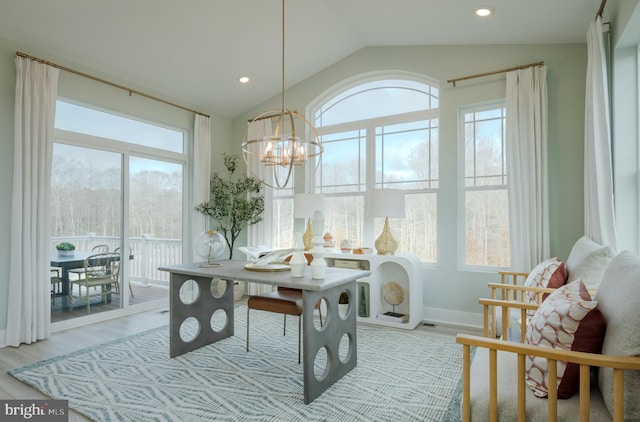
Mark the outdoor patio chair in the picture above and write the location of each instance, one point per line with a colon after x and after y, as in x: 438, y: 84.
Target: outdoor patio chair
x: 99, y: 272
x: 117, y: 263
x: 56, y: 284
x: 78, y: 272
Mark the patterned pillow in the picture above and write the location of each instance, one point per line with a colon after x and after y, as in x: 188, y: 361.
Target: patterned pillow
x: 567, y: 320
x: 550, y: 273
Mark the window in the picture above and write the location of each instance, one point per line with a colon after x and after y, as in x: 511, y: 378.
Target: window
x: 486, y: 211
x: 120, y: 181
x: 379, y: 134
x: 282, y: 217
x: 79, y: 119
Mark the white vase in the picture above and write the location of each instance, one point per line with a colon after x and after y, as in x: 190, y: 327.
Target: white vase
x: 298, y: 262
x: 318, y: 265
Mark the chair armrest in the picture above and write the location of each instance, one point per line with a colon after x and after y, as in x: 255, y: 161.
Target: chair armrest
x: 512, y: 292
x: 489, y: 306
x: 512, y: 277
x: 507, y: 278
x: 585, y: 360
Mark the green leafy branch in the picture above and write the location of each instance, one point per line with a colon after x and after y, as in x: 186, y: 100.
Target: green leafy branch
x: 235, y: 202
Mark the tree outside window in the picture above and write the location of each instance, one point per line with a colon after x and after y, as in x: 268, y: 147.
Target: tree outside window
x: 486, y: 209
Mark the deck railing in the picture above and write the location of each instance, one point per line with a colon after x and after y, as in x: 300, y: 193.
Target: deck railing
x: 148, y: 254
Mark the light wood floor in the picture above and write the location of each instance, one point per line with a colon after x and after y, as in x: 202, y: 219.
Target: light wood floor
x: 68, y: 341
x: 77, y: 338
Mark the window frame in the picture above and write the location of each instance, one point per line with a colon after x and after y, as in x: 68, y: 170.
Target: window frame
x: 369, y: 126
x: 462, y: 186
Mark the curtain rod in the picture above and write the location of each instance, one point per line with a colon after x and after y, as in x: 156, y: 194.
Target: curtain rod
x: 601, y: 9
x: 479, y: 75
x: 124, y: 88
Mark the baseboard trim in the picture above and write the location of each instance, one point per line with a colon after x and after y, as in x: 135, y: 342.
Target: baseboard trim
x: 435, y: 316
x: 439, y: 316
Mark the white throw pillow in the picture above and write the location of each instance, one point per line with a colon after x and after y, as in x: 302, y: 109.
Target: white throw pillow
x: 619, y: 301
x: 580, y: 250
x: 592, y: 267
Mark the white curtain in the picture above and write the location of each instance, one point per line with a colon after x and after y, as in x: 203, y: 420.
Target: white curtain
x: 258, y: 233
x: 29, y: 292
x: 599, y: 218
x: 526, y: 121
x: 201, y: 173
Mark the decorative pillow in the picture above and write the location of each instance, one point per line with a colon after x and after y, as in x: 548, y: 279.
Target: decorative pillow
x: 591, y: 268
x: 581, y: 250
x: 619, y: 300
x: 550, y: 273
x: 567, y: 320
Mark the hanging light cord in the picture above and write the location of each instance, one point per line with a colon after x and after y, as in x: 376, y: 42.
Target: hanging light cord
x: 282, y: 98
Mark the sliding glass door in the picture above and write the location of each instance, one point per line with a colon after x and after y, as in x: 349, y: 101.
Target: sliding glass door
x: 155, y: 221
x: 86, y: 211
x: 117, y: 185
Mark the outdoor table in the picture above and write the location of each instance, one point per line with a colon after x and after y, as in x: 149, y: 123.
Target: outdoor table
x: 66, y: 263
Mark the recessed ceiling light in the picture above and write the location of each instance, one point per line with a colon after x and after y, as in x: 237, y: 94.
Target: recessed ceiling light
x: 483, y: 11
x: 244, y: 79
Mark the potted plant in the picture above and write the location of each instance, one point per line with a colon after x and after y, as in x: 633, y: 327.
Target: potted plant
x: 235, y: 202
x: 65, y: 248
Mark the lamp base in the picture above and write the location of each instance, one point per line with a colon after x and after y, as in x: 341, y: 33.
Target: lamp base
x: 385, y: 243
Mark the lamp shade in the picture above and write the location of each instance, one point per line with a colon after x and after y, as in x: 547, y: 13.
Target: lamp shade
x: 387, y: 203
x: 305, y: 204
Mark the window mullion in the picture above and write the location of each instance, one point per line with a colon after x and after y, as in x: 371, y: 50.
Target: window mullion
x: 369, y: 222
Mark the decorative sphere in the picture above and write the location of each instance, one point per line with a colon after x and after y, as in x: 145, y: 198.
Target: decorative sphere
x: 210, y: 245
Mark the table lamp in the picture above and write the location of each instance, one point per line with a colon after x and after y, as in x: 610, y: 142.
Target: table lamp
x: 387, y: 203
x: 304, y: 206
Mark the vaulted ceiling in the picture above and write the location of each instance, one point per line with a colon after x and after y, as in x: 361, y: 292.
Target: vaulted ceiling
x: 195, y: 50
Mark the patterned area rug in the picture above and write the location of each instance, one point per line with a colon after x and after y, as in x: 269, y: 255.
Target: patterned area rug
x: 401, y: 375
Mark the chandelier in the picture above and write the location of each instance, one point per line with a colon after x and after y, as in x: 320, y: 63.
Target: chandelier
x: 277, y: 141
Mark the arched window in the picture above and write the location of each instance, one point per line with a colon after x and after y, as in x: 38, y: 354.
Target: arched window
x: 380, y: 133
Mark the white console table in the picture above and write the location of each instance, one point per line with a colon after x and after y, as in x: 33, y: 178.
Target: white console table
x: 406, y: 270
